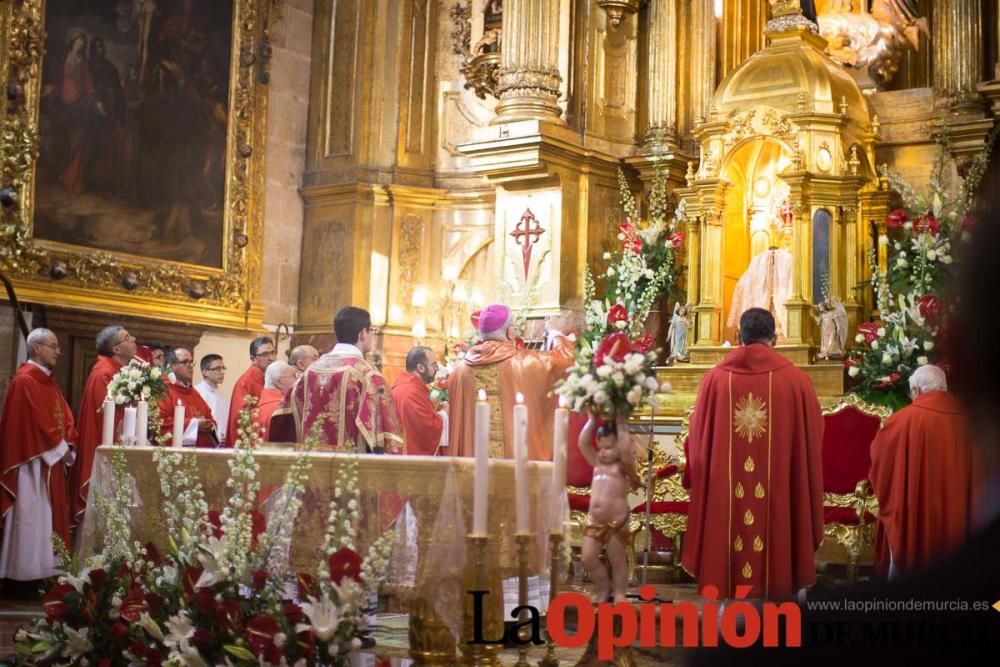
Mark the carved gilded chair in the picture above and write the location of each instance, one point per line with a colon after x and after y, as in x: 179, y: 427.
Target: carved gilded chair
x: 670, y: 495
x: 850, y: 509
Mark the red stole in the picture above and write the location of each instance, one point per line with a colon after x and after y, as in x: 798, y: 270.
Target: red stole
x: 36, y: 418
x: 195, y: 407
x: 251, y: 383
x: 756, y: 512
x: 91, y: 424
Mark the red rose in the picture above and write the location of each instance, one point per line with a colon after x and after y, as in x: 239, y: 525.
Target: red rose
x: 851, y: 361
x: 293, y: 612
x: 201, y: 639
x: 258, y: 580
x: 119, y: 631
x: 97, y: 577
x: 869, y: 330
x: 643, y: 343
x: 927, y: 224
x: 676, y: 240
x: 55, y: 602
x: 614, y: 347
x: 260, y: 634
x: 344, y: 563
x: 929, y: 306
x: 896, y: 219
x: 888, y: 382
x: 618, y: 313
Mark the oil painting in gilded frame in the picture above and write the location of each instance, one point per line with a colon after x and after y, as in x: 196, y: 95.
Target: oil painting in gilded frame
x: 133, y: 146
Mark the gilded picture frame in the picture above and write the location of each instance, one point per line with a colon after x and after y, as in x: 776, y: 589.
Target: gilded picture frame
x: 223, y: 292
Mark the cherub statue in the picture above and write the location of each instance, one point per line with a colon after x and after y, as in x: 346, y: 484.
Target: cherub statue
x: 607, y: 528
x: 677, y: 333
x: 832, y: 318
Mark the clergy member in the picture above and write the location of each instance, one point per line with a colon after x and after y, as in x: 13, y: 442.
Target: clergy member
x: 213, y: 374
x: 756, y: 513
x: 251, y: 383
x: 199, y: 426
x: 422, y: 425
x: 497, y: 366
x: 923, y: 473
x: 115, y: 348
x: 278, y: 379
x: 345, y: 394
x: 36, y: 446
x: 302, y: 357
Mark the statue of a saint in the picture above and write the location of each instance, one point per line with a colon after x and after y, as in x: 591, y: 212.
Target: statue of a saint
x: 677, y: 333
x: 767, y: 284
x: 832, y: 320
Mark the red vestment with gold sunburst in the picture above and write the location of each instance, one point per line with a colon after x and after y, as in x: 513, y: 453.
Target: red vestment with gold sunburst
x: 754, y: 456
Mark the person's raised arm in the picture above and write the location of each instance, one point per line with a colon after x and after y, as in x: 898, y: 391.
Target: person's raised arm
x: 586, y: 441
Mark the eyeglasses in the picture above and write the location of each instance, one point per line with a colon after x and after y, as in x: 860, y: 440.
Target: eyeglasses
x: 54, y: 346
x: 127, y: 337
x: 216, y: 369
x: 372, y: 330
x: 264, y: 355
x: 189, y: 363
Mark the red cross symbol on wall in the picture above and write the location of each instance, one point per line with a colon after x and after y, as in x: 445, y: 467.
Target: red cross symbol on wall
x: 523, y: 231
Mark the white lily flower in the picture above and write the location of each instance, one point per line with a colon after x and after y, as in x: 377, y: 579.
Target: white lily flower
x: 324, y: 617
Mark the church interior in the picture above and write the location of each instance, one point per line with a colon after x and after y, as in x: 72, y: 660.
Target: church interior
x: 204, y: 174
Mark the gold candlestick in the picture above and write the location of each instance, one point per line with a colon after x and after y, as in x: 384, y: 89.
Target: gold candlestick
x: 524, y: 541
x: 478, y: 577
x: 555, y: 556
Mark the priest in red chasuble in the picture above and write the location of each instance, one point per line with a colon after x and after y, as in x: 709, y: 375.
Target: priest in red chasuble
x: 199, y: 425
x: 496, y: 365
x: 37, y: 443
x: 278, y: 379
x: 115, y: 348
x: 422, y: 425
x: 923, y: 473
x: 251, y: 383
x: 756, y: 513
x: 346, y: 394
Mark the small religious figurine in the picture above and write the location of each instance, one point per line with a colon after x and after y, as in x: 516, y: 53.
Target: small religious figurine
x: 832, y: 320
x: 677, y: 333
x: 607, y: 528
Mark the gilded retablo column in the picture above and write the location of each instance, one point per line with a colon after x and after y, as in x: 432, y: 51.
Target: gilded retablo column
x: 528, y: 80
x: 958, y: 46
x: 661, y: 93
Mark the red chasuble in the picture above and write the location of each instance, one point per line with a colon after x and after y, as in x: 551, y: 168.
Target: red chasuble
x: 924, y: 476
x: 251, y: 383
x: 91, y: 423
x: 270, y: 400
x: 195, y: 407
x: 756, y: 513
x: 36, y: 418
x: 348, y: 397
x: 421, y: 423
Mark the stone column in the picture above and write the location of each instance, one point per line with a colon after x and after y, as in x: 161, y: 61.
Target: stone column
x: 958, y: 46
x: 661, y: 91
x: 529, y: 79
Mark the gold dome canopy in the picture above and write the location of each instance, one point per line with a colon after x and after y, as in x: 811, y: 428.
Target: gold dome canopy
x: 793, y: 75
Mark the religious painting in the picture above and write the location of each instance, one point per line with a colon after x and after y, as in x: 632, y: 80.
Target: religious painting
x: 133, y: 144
x: 132, y: 127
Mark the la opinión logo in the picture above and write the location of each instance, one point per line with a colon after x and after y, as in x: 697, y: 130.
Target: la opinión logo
x: 740, y: 625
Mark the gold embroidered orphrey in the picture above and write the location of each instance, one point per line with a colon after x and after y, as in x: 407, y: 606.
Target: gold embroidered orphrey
x: 76, y: 276
x: 751, y: 417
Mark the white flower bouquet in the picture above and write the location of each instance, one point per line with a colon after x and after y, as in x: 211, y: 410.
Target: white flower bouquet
x: 137, y: 381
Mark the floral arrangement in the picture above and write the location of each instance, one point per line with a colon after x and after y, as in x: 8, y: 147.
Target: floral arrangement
x: 615, y: 378
x: 641, y: 270
x: 224, y: 593
x: 439, y: 387
x: 137, y: 381
x: 921, y: 239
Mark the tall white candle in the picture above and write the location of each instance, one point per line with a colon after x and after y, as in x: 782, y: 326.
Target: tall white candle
x: 521, y: 505
x: 108, y: 432
x: 558, y: 485
x: 178, y: 440
x: 141, y: 423
x: 128, y: 426
x: 480, y: 496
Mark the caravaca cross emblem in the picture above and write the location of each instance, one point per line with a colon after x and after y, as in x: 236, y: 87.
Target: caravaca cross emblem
x: 751, y: 417
x: 523, y: 231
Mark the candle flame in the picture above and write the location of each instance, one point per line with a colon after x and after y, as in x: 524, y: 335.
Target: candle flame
x: 562, y: 402
x: 178, y: 403
x: 519, y: 398
x: 482, y: 394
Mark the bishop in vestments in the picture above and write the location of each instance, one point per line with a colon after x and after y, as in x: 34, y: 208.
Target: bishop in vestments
x: 251, y: 383
x: 754, y: 454
x: 496, y: 365
x: 344, y: 395
x: 924, y: 476
x: 115, y: 348
x: 36, y: 446
x: 199, y: 425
